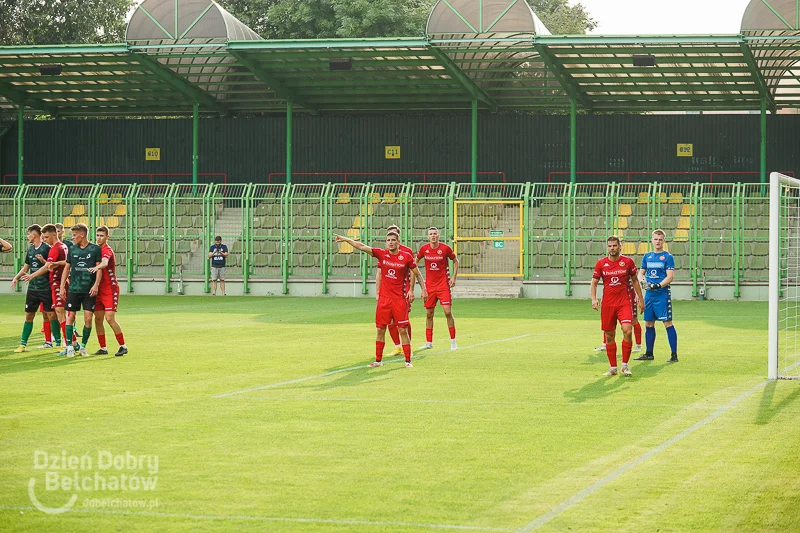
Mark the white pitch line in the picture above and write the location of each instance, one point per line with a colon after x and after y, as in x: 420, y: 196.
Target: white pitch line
x: 267, y: 519
x: 581, y: 495
x: 331, y: 373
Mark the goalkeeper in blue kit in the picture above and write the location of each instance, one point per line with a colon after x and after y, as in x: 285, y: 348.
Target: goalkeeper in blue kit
x: 656, y: 275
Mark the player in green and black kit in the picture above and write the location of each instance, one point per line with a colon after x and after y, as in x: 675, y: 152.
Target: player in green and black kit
x: 83, y: 285
x: 38, y: 287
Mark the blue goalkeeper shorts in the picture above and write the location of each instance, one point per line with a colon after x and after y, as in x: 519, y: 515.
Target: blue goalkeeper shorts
x: 657, y: 306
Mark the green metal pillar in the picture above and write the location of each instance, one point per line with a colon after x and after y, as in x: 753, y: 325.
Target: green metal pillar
x: 289, y: 142
x: 20, y: 142
x: 474, y: 166
x: 763, y: 144
x: 573, y: 141
x: 195, y: 136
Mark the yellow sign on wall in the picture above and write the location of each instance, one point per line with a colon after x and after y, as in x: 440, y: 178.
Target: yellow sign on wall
x: 152, y: 154
x: 685, y: 150
x: 392, y: 152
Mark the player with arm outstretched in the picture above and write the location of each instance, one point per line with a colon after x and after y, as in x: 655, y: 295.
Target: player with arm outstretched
x: 438, y: 283
x: 656, y: 274
x: 393, y: 331
x: 396, y: 291
x: 616, y: 270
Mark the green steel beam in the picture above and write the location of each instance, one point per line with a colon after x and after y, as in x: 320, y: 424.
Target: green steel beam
x: 191, y: 92
x: 64, y: 49
x: 20, y: 143
x: 332, y: 44
x: 647, y: 49
x: 467, y: 83
x: 562, y: 77
x: 269, y: 79
x: 326, y: 55
x: 61, y: 81
x: 289, y: 137
x: 660, y: 70
x: 628, y: 60
x: 322, y: 64
x: 195, y: 139
x: 474, y: 137
x: 756, y: 73
x: 763, y: 140
x: 21, y: 98
x: 573, y: 141
x: 72, y: 68
x: 578, y: 40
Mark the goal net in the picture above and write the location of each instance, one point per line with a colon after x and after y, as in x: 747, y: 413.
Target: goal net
x: 784, y: 277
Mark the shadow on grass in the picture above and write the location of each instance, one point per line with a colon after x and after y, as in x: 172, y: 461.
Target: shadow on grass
x: 766, y: 409
x: 608, y: 385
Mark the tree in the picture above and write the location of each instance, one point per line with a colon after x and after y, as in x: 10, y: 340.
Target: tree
x: 63, y: 21
x: 320, y: 19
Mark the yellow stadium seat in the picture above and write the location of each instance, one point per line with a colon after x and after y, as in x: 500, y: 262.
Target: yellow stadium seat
x: 78, y: 210
x: 343, y: 198
x: 402, y: 198
x: 353, y: 233
x: 643, y: 248
x: 357, y: 221
x: 389, y: 198
x: 83, y: 220
x: 104, y: 198
x: 662, y: 197
x: 687, y: 210
x: 681, y: 235
x: 69, y: 222
x: 375, y: 198
x: 121, y: 211
x: 99, y: 221
x: 676, y: 198
x: 684, y: 223
x: 112, y: 222
x: 116, y: 198
x: 643, y: 198
x: 622, y: 223
x: 367, y: 209
x: 628, y: 248
x: 625, y: 210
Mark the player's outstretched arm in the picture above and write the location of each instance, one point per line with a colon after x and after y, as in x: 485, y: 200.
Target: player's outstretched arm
x: 22, y: 272
x: 5, y: 246
x: 100, y: 266
x: 593, y: 293
x: 28, y: 277
x: 355, y: 244
x: 96, y: 287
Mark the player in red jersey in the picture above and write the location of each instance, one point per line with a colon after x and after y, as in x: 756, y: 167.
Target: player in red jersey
x: 616, y: 271
x: 393, y: 331
x: 438, y: 283
x: 107, y: 296
x: 399, y: 273
x: 637, y: 328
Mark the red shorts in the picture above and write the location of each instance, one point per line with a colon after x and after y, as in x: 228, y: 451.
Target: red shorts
x: 59, y: 300
x: 610, y: 315
x: 391, y: 309
x: 107, y: 301
x: 443, y: 296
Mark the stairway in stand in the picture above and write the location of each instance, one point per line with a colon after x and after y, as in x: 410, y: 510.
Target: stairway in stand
x: 478, y: 288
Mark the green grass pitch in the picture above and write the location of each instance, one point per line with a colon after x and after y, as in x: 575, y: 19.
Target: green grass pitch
x: 518, y: 430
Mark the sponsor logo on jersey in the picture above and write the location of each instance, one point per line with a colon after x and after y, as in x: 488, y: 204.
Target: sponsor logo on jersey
x: 662, y: 257
x: 400, y: 257
x: 439, y: 252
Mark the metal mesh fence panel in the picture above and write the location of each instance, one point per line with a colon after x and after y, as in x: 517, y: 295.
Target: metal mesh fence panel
x: 548, y: 236
x: 267, y: 222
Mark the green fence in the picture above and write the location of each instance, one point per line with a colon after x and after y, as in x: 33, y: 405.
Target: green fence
x: 717, y: 232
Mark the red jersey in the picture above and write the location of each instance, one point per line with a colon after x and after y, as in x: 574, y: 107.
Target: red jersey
x: 57, y: 253
x: 395, y: 271
x: 616, y: 278
x: 109, y: 279
x: 437, y: 265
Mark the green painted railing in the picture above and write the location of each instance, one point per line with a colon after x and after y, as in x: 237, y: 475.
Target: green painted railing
x: 717, y: 232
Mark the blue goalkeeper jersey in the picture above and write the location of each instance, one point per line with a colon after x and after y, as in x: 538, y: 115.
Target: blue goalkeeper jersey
x: 656, y: 266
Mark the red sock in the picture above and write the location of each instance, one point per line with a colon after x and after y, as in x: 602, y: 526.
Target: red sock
x: 626, y: 351
x: 394, y: 334
x: 452, y: 333
x: 48, y: 332
x: 409, y: 332
x: 407, y: 352
x: 101, y: 340
x: 429, y: 334
x: 637, y: 333
x: 120, y: 338
x: 611, y: 352
x: 604, y: 340
x: 64, y: 330
x: 379, y: 350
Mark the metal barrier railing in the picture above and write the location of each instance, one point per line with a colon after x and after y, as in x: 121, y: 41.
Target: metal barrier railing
x: 717, y: 232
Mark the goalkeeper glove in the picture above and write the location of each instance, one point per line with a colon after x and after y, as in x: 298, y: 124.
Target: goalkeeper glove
x: 653, y: 286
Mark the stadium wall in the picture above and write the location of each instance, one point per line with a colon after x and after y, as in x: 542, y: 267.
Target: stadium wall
x: 524, y: 147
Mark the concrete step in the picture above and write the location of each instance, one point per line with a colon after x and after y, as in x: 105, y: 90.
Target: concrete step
x: 487, y: 289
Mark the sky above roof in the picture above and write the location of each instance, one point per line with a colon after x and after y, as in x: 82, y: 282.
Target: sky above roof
x: 666, y: 17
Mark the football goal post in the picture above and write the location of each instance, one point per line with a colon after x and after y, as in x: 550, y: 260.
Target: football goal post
x: 784, y: 277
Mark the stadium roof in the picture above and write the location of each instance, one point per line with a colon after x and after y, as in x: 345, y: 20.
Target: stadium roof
x: 174, y: 59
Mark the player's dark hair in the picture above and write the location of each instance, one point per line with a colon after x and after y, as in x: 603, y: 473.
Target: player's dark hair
x: 217, y: 239
x: 103, y: 229
x: 393, y: 233
x: 614, y: 238
x: 59, y: 226
x: 49, y: 228
x: 80, y: 228
x: 35, y: 227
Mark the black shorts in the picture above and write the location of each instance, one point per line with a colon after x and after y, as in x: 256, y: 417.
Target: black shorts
x: 76, y: 300
x: 36, y: 298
